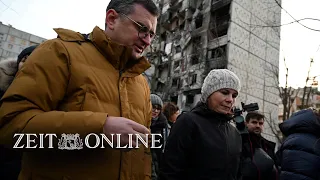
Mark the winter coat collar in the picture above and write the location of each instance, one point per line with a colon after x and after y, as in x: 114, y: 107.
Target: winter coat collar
x: 304, y: 121
x: 119, y: 56
x: 160, y: 122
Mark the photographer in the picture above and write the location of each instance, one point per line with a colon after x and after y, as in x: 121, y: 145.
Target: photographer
x: 258, y: 157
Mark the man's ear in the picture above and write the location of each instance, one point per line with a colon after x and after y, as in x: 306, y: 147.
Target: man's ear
x: 111, y: 17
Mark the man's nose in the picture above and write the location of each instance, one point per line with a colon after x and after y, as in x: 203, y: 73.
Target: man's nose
x: 147, y: 40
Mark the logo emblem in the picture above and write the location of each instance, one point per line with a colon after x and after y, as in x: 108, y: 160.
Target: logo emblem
x: 70, y: 142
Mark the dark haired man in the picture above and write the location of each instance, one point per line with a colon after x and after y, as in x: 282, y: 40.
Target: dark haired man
x: 86, y: 84
x: 258, y: 156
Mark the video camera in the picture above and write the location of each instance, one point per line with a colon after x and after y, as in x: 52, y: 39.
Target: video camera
x: 239, y: 119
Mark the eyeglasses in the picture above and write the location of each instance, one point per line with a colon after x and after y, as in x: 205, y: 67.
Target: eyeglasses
x: 143, y: 31
x: 156, y: 107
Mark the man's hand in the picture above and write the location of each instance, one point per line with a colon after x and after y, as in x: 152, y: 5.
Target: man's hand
x: 124, y: 126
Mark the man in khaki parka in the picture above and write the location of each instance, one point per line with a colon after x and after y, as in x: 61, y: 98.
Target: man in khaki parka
x: 86, y: 84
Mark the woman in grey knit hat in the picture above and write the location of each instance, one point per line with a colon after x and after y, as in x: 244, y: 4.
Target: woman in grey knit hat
x: 203, y: 144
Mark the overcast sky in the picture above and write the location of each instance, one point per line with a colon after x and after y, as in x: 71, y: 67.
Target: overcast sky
x: 38, y: 17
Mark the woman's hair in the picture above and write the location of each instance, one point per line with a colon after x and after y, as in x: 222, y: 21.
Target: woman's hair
x: 169, y: 109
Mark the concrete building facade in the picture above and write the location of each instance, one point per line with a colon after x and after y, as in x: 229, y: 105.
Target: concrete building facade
x: 13, y: 41
x: 195, y: 36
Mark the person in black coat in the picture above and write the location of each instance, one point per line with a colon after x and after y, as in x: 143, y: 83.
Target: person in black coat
x: 258, y: 154
x: 10, y: 160
x: 159, y: 125
x: 300, y: 152
x: 202, y: 144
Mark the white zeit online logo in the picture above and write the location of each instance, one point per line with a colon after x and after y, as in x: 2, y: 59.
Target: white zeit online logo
x: 74, y: 142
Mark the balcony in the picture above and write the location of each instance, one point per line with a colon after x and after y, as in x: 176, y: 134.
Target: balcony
x: 216, y: 63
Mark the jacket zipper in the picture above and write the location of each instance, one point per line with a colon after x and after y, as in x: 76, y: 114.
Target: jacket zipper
x: 120, y: 73
x: 225, y: 135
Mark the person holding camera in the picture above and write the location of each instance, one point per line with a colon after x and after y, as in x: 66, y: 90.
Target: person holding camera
x: 258, y: 154
x: 202, y: 143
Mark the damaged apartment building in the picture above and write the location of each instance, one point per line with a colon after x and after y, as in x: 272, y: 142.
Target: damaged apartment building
x: 196, y: 36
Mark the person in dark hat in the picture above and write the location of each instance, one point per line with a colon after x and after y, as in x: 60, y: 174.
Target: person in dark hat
x: 10, y: 160
x: 23, y: 56
x: 159, y: 125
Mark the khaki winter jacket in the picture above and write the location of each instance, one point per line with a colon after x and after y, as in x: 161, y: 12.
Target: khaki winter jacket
x: 69, y: 85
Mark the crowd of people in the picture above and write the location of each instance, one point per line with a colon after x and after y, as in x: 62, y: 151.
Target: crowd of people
x: 93, y: 83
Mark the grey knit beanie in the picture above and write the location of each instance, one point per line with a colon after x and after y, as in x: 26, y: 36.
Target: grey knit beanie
x: 156, y: 100
x: 219, y: 79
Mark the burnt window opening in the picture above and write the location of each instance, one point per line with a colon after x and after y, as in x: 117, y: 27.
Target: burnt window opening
x: 217, y: 52
x: 174, y: 99
x: 199, y: 21
x: 163, y: 36
x: 190, y: 99
x: 176, y: 65
x: 220, y: 21
x: 193, y: 79
x: 197, y: 40
x: 182, y: 26
x: 200, y: 6
x: 178, y: 49
x: 194, y: 60
x: 175, y: 82
x: 160, y: 86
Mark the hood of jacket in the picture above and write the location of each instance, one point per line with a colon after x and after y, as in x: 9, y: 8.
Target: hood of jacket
x: 304, y: 121
x: 8, y: 68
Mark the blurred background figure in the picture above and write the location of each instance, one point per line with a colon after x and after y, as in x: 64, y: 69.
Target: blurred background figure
x: 258, y: 154
x: 171, y: 112
x: 10, y: 160
x: 300, y: 152
x: 23, y: 56
x: 8, y: 69
x: 159, y: 125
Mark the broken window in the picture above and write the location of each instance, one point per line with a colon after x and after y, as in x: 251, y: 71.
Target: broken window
x: 199, y: 21
x: 174, y: 99
x: 163, y: 36
x: 190, y: 99
x: 175, y: 82
x: 176, y: 65
x: 182, y: 26
x: 193, y: 79
x: 197, y: 40
x: 194, y: 60
x: 220, y: 21
x: 160, y: 87
x: 178, y: 49
x: 217, y: 52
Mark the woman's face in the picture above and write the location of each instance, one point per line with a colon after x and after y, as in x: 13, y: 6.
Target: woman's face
x: 156, y: 109
x: 222, y: 101
x: 174, y: 116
